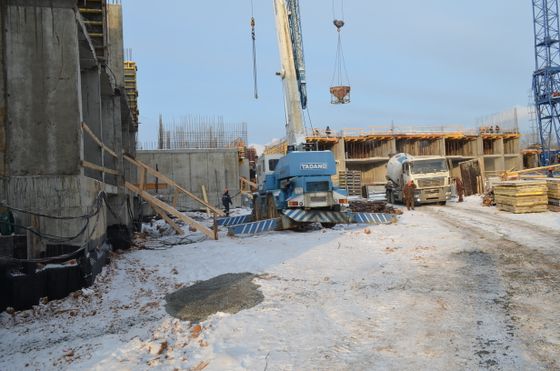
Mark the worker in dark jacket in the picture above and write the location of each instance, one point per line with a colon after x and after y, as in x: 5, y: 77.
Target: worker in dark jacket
x: 408, y: 194
x: 226, y: 201
x: 460, y: 189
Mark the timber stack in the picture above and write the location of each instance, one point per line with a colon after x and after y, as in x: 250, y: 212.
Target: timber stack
x: 553, y: 192
x: 522, y: 196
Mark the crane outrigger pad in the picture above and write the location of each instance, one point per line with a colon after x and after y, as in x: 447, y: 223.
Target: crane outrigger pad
x: 317, y: 216
x: 255, y: 227
x: 373, y: 218
x: 234, y: 220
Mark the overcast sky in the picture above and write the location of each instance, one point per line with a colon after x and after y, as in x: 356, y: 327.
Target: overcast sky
x: 428, y: 63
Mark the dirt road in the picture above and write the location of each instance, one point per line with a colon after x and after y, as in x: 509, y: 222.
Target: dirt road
x: 524, y: 259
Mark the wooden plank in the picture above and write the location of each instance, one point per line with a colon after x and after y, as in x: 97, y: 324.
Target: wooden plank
x: 96, y: 140
x: 248, y: 182
x: 152, y: 186
x: 91, y: 166
x: 509, y: 174
x: 142, y: 180
x: 167, y: 219
x: 171, y: 182
x: 205, y: 196
x: 165, y: 207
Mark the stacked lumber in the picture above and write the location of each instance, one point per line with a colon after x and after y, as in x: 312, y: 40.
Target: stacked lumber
x: 553, y: 191
x: 351, y: 180
x: 522, y: 196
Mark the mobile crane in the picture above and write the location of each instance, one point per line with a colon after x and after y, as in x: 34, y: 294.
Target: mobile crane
x: 296, y: 189
x: 296, y: 186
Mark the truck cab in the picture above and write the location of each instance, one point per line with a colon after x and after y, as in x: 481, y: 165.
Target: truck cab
x: 430, y: 174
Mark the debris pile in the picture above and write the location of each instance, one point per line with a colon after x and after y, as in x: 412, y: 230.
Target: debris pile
x: 229, y: 293
x: 522, y: 196
x: 488, y: 199
x: 373, y: 207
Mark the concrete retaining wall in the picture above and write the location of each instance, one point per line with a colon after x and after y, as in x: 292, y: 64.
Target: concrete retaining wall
x: 42, y: 66
x: 193, y: 168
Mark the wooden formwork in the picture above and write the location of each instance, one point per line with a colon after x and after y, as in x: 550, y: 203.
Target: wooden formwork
x: 522, y: 196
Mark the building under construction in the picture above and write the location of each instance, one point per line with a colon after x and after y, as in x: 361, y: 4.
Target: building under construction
x: 68, y: 117
x: 205, y: 154
x: 367, y: 151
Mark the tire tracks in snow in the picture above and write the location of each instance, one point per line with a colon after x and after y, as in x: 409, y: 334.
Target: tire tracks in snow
x: 530, y: 272
x: 493, y: 220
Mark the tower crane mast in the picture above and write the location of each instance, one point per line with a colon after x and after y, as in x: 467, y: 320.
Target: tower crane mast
x: 546, y: 78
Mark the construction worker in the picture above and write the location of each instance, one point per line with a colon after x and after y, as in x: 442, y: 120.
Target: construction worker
x: 460, y: 189
x: 408, y: 194
x: 328, y: 131
x: 226, y: 201
x: 550, y: 173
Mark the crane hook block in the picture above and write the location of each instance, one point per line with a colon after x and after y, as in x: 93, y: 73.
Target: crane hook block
x: 339, y: 23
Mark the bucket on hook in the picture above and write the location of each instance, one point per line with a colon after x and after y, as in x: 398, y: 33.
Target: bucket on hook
x: 340, y: 94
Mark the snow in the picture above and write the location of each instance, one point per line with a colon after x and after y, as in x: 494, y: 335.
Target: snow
x: 417, y: 294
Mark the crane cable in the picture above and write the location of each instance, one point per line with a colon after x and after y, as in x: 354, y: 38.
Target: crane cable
x: 340, y: 73
x: 254, y: 38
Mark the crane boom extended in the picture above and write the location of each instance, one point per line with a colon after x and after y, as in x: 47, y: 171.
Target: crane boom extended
x: 288, y: 27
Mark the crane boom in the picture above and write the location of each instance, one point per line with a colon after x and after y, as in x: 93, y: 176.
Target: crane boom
x: 288, y: 28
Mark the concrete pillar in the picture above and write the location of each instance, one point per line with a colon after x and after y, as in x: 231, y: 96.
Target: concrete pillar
x: 499, y: 146
x: 115, y: 43
x: 479, y: 147
x: 441, y: 146
x: 393, y: 146
x: 339, y: 152
x: 92, y: 116
x: 112, y: 137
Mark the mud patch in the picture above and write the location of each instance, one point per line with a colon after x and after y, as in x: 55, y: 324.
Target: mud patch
x: 229, y: 293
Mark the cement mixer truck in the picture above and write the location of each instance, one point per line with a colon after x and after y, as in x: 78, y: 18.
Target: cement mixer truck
x: 430, y: 174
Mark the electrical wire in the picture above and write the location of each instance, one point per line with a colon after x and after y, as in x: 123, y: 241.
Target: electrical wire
x: 58, y: 257
x: 100, y: 199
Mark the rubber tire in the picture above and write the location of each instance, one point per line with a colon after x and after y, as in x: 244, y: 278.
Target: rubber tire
x: 443, y: 203
x: 328, y: 225
x: 392, y: 197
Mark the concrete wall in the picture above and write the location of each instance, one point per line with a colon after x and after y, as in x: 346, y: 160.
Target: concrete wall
x: 3, y: 96
x: 193, y: 168
x: 41, y: 62
x: 51, y: 82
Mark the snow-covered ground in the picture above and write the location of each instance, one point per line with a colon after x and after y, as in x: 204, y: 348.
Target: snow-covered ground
x: 460, y: 286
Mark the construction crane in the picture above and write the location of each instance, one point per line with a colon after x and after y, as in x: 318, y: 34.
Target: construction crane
x: 300, y: 179
x: 546, y: 78
x: 296, y: 188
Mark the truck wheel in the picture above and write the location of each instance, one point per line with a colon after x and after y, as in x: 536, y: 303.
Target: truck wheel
x: 271, y: 207
x: 392, y: 197
x: 443, y: 203
x: 328, y: 225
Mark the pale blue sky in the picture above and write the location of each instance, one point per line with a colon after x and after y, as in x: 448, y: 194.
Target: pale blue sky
x: 430, y: 62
